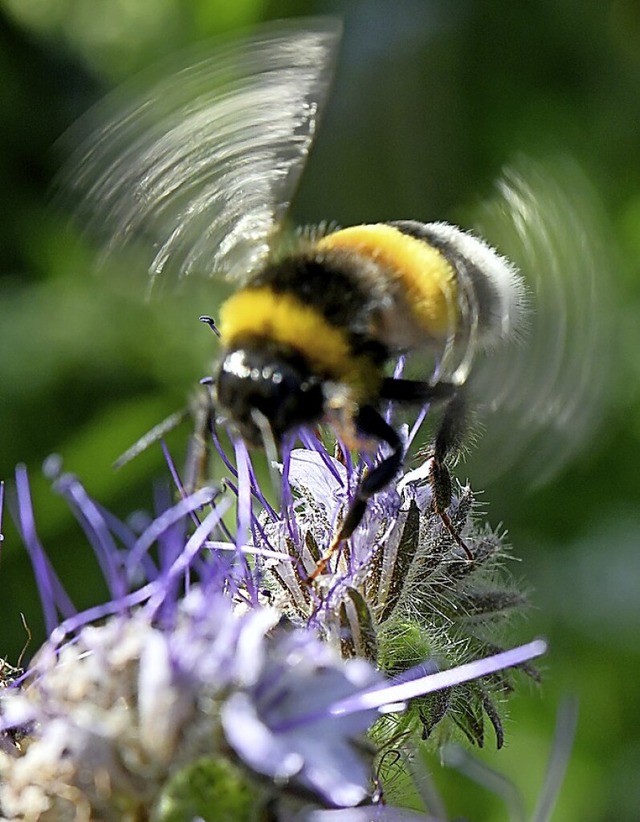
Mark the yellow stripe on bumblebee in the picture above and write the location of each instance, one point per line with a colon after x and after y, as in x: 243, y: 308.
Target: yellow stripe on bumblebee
x: 282, y: 318
x: 427, y: 278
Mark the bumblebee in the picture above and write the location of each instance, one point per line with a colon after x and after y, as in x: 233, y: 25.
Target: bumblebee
x: 197, y: 172
x: 308, y: 338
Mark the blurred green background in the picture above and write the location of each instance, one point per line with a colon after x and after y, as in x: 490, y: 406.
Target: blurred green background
x: 432, y: 99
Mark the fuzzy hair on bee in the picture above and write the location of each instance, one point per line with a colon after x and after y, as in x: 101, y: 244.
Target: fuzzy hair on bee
x: 308, y: 338
x: 342, y: 307
x: 205, y: 161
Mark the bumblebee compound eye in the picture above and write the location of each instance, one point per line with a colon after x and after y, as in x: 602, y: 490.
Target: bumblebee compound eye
x: 275, y: 382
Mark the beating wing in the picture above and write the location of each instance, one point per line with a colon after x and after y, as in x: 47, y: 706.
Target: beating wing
x: 195, y: 165
x: 546, y: 394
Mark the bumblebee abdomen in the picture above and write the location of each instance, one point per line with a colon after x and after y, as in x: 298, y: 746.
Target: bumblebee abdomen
x: 421, y: 282
x: 491, y: 293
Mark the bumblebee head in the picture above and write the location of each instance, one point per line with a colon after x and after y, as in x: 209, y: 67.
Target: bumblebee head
x: 260, y: 380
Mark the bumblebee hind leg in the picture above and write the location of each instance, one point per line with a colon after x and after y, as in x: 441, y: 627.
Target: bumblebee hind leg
x: 447, y: 441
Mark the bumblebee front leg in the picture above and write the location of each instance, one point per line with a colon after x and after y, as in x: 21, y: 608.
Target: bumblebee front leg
x: 199, y: 451
x: 372, y: 425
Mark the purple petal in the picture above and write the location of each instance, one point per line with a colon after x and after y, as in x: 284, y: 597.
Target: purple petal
x: 54, y: 598
x: 308, y: 473
x: 443, y: 679
x: 367, y: 813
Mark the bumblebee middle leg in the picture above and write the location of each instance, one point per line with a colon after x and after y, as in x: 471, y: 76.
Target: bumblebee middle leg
x: 413, y: 392
x: 371, y: 424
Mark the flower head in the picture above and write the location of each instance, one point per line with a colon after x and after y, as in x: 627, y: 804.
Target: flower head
x: 198, y: 689
x: 402, y: 590
x: 118, y: 716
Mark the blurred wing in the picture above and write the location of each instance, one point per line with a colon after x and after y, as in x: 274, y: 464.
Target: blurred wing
x: 548, y: 390
x: 197, y: 165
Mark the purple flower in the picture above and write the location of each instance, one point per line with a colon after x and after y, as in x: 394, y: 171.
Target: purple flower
x: 114, y: 715
x: 185, y: 695
x: 402, y: 591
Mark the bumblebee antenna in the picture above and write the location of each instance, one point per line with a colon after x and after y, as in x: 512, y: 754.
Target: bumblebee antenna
x: 207, y: 320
